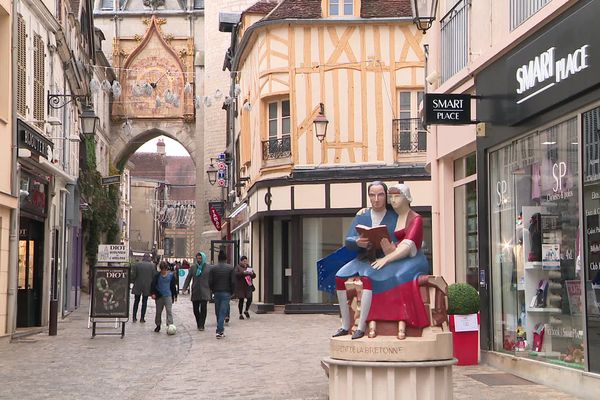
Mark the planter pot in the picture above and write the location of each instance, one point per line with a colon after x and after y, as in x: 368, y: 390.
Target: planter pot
x: 465, y: 338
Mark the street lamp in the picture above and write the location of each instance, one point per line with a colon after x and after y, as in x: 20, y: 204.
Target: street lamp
x: 212, y: 174
x: 321, y: 122
x: 89, y: 121
x: 424, y: 12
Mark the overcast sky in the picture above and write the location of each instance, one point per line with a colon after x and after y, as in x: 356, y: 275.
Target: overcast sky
x: 172, y: 147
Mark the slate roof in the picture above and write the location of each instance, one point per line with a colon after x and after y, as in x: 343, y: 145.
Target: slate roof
x: 311, y: 9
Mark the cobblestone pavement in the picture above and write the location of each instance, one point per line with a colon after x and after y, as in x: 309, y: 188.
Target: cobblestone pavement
x: 270, y: 356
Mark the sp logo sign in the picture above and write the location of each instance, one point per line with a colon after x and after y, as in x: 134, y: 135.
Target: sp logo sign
x: 559, y: 171
x: 502, y: 192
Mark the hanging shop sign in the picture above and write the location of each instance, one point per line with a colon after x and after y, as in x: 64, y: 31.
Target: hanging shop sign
x: 30, y: 139
x: 551, y: 67
x: 109, y: 180
x: 447, y: 109
x: 216, y: 210
x: 116, y: 253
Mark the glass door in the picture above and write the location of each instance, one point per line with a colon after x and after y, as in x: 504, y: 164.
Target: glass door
x: 282, y: 266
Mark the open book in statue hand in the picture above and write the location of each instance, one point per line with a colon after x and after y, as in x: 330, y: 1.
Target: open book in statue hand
x: 376, y: 236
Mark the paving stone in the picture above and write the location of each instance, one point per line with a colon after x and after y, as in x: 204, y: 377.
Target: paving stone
x: 269, y: 356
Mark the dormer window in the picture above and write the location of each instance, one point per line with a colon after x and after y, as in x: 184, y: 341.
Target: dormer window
x: 341, y: 8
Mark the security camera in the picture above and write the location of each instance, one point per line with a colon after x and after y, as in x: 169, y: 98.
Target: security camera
x: 432, y: 77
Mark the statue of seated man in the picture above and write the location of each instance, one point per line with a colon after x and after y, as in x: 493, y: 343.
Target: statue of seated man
x: 390, y: 283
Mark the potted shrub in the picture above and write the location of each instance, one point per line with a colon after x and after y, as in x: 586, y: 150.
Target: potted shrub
x: 463, y: 311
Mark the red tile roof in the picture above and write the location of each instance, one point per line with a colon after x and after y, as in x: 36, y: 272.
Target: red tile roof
x: 385, y: 8
x: 311, y: 9
x: 262, y: 7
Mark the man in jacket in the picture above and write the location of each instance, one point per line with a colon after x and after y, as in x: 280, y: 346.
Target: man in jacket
x: 198, y: 276
x: 221, y: 281
x: 164, y: 293
x: 142, y: 274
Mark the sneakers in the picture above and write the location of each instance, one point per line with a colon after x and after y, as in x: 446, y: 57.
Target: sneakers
x: 220, y: 335
x: 247, y: 314
x: 157, y: 329
x: 241, y: 316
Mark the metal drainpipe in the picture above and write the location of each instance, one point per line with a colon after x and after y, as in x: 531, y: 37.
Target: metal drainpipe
x: 13, y: 240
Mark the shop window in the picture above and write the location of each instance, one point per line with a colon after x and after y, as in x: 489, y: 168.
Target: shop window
x: 108, y: 4
x: 589, y: 256
x: 465, y: 221
x: 534, y: 225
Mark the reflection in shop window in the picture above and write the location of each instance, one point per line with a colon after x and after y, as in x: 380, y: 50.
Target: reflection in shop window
x: 534, y: 225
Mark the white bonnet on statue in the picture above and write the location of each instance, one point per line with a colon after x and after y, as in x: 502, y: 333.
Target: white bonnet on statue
x: 401, y: 188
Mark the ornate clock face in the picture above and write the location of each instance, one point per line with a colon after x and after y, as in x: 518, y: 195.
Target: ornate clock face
x: 162, y: 73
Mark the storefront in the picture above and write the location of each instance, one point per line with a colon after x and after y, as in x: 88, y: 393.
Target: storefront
x: 285, y: 228
x: 539, y: 181
x: 33, y: 210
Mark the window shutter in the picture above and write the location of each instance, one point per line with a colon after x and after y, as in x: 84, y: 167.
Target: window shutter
x: 21, y: 67
x: 38, y: 80
x: 245, y: 137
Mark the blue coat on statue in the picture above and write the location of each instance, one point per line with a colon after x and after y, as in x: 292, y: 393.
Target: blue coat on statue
x: 361, y: 265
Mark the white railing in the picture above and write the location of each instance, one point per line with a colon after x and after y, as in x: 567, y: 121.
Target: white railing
x: 521, y: 10
x: 455, y: 39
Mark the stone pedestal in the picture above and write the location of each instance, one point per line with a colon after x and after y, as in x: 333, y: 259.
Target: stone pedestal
x: 377, y: 380
x: 387, y: 368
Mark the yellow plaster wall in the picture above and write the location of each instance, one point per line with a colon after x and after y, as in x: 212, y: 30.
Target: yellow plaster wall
x: 345, y: 195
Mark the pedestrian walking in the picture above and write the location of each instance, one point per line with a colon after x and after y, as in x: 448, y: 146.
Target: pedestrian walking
x: 243, y: 285
x: 142, y: 274
x: 200, y: 291
x: 221, y: 281
x: 164, y: 293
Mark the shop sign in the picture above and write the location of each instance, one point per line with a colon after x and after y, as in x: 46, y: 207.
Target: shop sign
x: 113, y: 253
x: 215, y: 218
x: 33, y: 141
x: 553, y: 66
x: 447, y: 109
x: 216, y: 210
x: 109, y: 180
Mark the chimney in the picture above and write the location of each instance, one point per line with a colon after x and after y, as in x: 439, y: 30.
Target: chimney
x: 160, y: 147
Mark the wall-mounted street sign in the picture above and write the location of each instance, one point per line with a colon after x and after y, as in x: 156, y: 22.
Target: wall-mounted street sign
x: 109, y: 180
x: 448, y: 109
x: 116, y: 253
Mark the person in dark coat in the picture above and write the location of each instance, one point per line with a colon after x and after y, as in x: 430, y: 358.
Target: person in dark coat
x: 221, y: 281
x: 164, y: 293
x: 141, y: 275
x: 198, y: 276
x: 243, y: 285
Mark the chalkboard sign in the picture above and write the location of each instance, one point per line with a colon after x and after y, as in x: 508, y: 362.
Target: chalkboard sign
x: 110, y: 292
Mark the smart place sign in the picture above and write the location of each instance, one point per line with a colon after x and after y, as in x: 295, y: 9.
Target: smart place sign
x: 544, y: 71
x: 550, y: 68
x: 447, y: 109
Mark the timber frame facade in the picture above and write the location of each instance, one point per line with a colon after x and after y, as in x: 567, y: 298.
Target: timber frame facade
x: 368, y: 73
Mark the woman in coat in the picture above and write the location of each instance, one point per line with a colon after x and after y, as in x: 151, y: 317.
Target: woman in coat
x: 243, y: 285
x: 198, y: 275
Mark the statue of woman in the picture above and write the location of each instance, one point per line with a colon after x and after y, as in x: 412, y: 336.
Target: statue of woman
x: 396, y: 295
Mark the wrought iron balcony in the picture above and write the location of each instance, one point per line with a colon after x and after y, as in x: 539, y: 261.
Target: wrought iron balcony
x: 409, y: 135
x: 276, y: 148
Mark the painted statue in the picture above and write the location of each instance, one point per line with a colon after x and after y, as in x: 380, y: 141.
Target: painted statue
x: 390, y: 283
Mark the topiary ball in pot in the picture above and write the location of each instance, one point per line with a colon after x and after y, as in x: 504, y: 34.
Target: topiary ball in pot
x: 463, y: 299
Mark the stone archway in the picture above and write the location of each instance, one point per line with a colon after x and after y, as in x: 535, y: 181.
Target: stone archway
x: 123, y: 146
